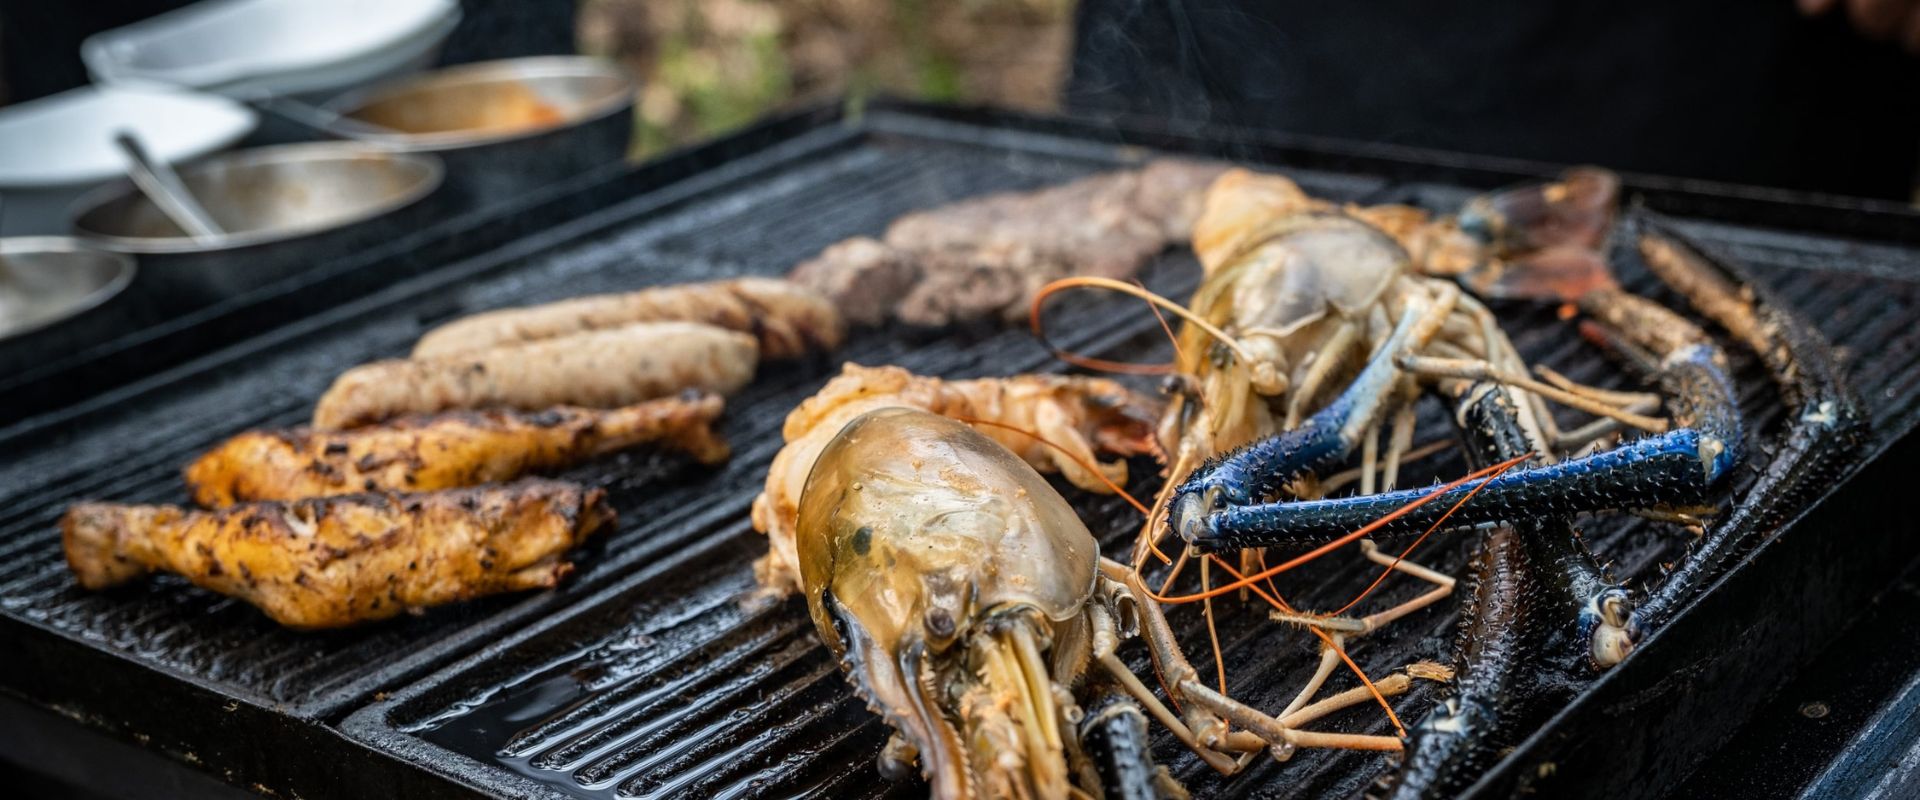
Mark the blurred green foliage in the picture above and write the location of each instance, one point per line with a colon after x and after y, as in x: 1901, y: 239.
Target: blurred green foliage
x: 708, y: 66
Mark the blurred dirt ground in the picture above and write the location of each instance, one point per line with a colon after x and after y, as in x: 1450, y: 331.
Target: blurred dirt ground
x: 707, y: 66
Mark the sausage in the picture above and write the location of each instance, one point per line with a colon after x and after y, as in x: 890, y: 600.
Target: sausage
x: 789, y: 320
x: 599, y: 369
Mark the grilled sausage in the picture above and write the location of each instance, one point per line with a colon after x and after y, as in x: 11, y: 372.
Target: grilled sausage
x: 599, y: 369
x: 790, y: 321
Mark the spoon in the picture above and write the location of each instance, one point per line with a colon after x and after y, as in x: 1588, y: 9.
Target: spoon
x: 164, y: 188
x: 324, y: 118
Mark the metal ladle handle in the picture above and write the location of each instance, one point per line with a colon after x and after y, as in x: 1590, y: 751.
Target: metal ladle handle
x: 163, y: 186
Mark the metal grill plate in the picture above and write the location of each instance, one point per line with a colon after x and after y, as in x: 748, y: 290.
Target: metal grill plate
x: 652, y: 672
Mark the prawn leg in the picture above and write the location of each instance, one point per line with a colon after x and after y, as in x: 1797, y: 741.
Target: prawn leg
x: 1543, y: 616
x: 1443, y: 585
x: 1339, y: 628
x: 1827, y: 422
x: 1676, y: 470
x: 1210, y: 715
x: 1328, y: 436
x: 1114, y: 741
x: 1661, y: 471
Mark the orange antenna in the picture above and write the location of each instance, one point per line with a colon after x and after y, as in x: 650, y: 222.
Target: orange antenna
x: 1179, y: 357
x: 1093, y: 468
x: 1416, y: 543
x: 1328, y: 640
x: 1213, y: 633
x: 1147, y: 534
x: 1362, y: 532
x: 1123, y: 367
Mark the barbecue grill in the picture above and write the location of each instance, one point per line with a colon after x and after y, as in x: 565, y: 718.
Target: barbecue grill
x: 654, y: 673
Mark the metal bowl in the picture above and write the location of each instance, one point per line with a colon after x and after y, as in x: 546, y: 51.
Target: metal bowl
x: 45, y: 280
x: 283, y: 208
x: 263, y: 195
x: 502, y: 126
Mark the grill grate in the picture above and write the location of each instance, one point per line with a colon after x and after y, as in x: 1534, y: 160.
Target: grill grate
x: 650, y: 673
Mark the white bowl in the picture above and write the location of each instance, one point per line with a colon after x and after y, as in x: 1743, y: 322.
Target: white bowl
x: 244, y: 48
x: 56, y: 148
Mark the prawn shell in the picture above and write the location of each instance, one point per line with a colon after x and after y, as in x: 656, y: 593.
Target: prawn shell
x: 1310, y: 264
x: 905, y: 511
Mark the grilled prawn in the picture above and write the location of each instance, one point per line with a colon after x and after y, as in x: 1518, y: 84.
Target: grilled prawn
x: 972, y: 610
x: 338, y: 561
x: 1279, y: 254
x: 444, y: 451
x: 1079, y: 415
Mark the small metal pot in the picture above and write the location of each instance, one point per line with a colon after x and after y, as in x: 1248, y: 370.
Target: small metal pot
x: 57, y: 296
x: 503, y: 127
x: 283, y: 208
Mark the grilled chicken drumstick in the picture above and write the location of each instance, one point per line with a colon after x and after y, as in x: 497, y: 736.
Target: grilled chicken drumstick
x: 338, y: 561
x: 600, y: 369
x: 789, y: 320
x: 444, y: 451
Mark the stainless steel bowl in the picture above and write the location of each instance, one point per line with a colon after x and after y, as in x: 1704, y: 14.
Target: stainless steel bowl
x: 264, y: 195
x: 45, y: 280
x: 502, y: 126
x: 282, y: 208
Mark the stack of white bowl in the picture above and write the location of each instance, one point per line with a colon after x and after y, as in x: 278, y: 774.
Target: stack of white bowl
x: 249, y: 48
x: 175, y: 80
x: 55, y: 149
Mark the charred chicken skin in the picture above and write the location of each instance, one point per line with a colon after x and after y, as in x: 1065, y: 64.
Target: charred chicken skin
x: 338, y: 561
x: 445, y: 451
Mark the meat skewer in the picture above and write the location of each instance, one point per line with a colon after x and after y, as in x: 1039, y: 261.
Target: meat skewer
x: 444, y: 451
x: 987, y: 256
x: 337, y: 561
x: 598, y: 369
x: 790, y: 321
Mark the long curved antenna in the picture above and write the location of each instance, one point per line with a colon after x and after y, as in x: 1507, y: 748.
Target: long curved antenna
x: 1090, y: 467
x: 1416, y: 543
x: 1121, y: 367
x: 1327, y: 639
x: 1481, y: 475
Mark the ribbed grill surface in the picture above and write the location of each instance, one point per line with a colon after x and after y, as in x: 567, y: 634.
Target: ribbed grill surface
x: 795, y: 205
x: 681, y: 682
x: 654, y: 672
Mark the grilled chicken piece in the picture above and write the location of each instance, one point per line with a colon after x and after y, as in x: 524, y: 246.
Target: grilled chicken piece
x: 332, y: 562
x: 790, y: 321
x: 444, y: 451
x: 599, y: 369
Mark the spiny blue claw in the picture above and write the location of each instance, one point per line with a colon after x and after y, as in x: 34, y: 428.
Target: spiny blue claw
x: 1679, y: 467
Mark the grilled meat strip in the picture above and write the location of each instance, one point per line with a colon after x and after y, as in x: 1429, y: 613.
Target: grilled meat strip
x: 597, y: 369
x: 986, y: 257
x: 444, y: 451
x: 789, y: 320
x: 337, y: 561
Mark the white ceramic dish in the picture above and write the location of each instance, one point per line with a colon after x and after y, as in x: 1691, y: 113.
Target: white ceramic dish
x: 245, y: 48
x: 56, y: 148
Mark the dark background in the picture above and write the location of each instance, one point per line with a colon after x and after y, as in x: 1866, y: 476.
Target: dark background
x: 1734, y: 90
x: 1747, y: 91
